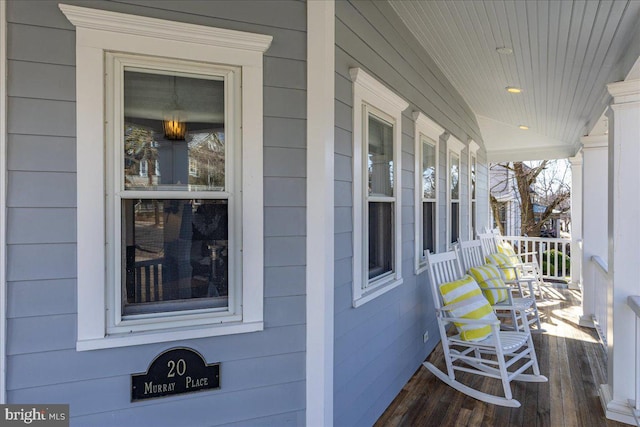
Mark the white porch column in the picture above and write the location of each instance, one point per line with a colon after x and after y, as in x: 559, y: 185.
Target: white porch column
x: 576, y: 221
x: 624, y: 247
x: 594, y: 218
x: 320, y: 211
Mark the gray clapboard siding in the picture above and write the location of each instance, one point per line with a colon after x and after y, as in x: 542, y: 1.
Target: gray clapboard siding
x: 264, y: 372
x: 283, y: 420
x: 44, y: 81
x: 36, y: 225
x: 41, y: 189
x: 285, y: 133
x: 289, y: 73
x: 281, y: 222
x: 285, y: 162
x: 284, y: 251
x: 379, y: 345
x: 41, y: 153
x: 285, y: 103
x: 62, y: 366
x: 343, y: 220
x: 41, y: 262
x: 284, y: 281
x: 41, y: 298
x: 200, y: 409
x: 285, y: 192
x: 39, y: 44
x: 41, y: 117
x: 40, y: 334
x: 284, y: 311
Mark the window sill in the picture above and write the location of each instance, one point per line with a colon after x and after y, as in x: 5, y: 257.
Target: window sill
x: 126, y: 340
x: 380, y: 289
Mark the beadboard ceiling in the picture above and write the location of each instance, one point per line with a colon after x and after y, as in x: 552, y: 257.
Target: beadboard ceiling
x: 564, y: 54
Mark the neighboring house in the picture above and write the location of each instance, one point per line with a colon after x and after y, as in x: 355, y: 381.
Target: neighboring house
x: 502, y: 184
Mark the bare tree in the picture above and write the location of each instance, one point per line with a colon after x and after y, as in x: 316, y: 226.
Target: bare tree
x: 534, y: 183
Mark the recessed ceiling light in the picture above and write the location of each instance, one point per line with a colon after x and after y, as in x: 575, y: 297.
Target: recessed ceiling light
x: 504, y: 50
x: 512, y: 89
x: 524, y: 127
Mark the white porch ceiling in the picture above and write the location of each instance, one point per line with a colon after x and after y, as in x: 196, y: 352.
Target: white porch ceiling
x: 564, y: 54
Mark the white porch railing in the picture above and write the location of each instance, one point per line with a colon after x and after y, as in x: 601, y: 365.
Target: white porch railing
x: 548, y: 253
x: 634, y: 303
x: 600, y: 286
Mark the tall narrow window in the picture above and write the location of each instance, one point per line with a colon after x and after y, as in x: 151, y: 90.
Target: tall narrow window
x: 381, y: 199
x: 426, y: 211
x: 376, y: 211
x: 454, y: 148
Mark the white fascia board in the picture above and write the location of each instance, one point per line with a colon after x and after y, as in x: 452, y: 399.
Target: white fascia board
x: 599, y: 141
x: 162, y: 29
x: 524, y: 154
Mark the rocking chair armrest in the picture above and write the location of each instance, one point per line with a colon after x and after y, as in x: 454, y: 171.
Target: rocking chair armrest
x: 471, y: 321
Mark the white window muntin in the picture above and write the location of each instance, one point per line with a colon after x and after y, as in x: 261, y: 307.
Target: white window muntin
x: 370, y: 93
x: 454, y: 149
x: 426, y: 132
x: 116, y: 64
x: 97, y: 32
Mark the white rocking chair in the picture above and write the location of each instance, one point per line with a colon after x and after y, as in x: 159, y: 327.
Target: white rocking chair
x: 471, y: 254
x: 524, y: 270
x: 492, y: 357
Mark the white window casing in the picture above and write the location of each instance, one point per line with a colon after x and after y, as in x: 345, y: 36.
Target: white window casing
x: 473, y: 167
x: 426, y: 132
x: 98, y: 34
x: 373, y: 99
x: 454, y: 149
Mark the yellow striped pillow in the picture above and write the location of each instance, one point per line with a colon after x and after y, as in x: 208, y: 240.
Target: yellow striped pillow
x: 466, y: 289
x: 489, y: 277
x: 507, y: 249
x: 504, y: 263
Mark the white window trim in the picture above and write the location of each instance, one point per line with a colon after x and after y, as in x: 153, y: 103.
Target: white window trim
x: 98, y: 31
x: 424, y: 126
x: 473, y: 154
x: 454, y: 146
x: 367, y: 91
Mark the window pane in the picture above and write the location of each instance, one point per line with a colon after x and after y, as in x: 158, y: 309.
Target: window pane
x: 473, y: 177
x: 173, y: 132
x: 380, y: 238
x: 176, y: 255
x: 380, y: 157
x: 473, y: 219
x: 429, y: 226
x: 428, y: 170
x: 455, y: 174
x: 455, y: 221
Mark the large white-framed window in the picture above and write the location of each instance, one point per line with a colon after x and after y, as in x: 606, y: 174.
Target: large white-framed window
x: 377, y: 133
x: 473, y: 180
x: 163, y: 253
x: 427, y: 135
x: 454, y: 150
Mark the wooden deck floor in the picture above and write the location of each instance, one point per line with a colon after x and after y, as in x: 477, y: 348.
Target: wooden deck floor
x: 569, y: 355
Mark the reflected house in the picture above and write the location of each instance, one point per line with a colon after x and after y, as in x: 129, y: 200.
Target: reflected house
x: 257, y: 182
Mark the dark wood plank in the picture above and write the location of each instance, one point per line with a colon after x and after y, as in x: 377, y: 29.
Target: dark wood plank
x: 569, y: 355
